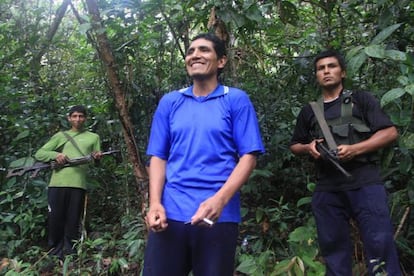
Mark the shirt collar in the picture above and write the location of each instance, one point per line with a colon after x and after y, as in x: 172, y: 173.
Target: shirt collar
x: 217, y: 92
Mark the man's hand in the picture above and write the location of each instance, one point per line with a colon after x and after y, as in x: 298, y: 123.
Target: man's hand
x: 378, y: 140
x: 313, y: 152
x: 346, y: 152
x: 156, y: 219
x: 97, y: 155
x: 210, y: 209
x: 61, y: 158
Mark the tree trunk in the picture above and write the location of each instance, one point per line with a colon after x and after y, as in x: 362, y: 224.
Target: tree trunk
x: 106, y: 55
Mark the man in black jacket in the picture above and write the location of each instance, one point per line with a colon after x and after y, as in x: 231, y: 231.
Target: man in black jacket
x: 337, y: 199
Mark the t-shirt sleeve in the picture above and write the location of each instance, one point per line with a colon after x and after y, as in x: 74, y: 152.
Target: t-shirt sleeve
x: 48, y: 151
x: 246, y: 131
x: 373, y: 114
x: 301, y: 132
x: 159, y: 141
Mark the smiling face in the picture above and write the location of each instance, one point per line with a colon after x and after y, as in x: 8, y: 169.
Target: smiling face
x: 329, y: 73
x: 77, y: 120
x: 201, y: 60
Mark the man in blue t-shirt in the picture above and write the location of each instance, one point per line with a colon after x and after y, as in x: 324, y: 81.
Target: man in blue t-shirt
x: 337, y: 199
x: 203, y: 146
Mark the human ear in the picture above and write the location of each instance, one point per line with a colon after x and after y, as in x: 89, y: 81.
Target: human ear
x: 222, y: 61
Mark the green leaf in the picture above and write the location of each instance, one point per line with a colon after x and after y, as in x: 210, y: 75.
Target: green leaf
x: 22, y: 135
x: 407, y: 141
x: 356, y: 62
x: 21, y: 162
x: 354, y: 51
x: 311, y: 186
x: 403, y: 80
x: 406, y: 164
x: 303, y: 201
x: 313, y: 263
x: 259, y: 215
x: 282, y: 267
x: 247, y: 266
x: 396, y: 55
x: 300, y: 234
x: 402, y: 118
x: 376, y: 51
x: 123, y: 263
x: 392, y: 95
x: 384, y: 34
x: 254, y: 14
x: 298, y: 267
x: 410, y: 89
x: 17, y: 195
x: 263, y: 173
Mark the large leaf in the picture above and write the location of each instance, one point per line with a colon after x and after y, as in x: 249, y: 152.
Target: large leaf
x: 384, y: 34
x: 396, y: 55
x: 300, y: 234
x: 356, y: 62
x: 392, y: 95
x: 376, y: 51
x: 22, y: 135
x: 354, y: 51
x: 22, y: 162
x: 247, y: 266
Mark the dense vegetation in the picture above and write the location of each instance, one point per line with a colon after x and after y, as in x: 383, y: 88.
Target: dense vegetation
x: 51, y: 57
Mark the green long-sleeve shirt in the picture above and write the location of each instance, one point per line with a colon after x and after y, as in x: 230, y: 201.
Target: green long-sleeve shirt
x: 75, y: 176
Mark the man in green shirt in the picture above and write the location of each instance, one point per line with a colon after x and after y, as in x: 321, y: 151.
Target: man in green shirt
x: 67, y: 186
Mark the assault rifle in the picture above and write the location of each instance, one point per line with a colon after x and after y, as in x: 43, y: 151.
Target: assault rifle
x: 37, y: 166
x: 332, y: 158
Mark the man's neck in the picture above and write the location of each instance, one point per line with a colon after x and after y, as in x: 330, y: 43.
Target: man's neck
x: 204, y: 87
x: 330, y: 94
x: 76, y: 129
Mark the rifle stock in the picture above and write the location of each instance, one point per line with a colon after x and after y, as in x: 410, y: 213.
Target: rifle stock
x: 332, y: 158
x: 36, y: 167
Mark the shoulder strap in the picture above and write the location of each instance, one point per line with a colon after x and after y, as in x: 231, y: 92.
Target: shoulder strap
x: 70, y: 138
x: 320, y: 117
x: 346, y: 107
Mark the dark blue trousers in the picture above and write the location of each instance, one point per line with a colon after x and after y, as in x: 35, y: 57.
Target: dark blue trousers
x: 181, y: 248
x: 369, y: 207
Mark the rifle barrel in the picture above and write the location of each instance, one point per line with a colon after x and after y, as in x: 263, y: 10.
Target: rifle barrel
x: 42, y: 165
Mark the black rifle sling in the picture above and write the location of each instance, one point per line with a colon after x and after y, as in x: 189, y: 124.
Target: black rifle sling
x: 320, y: 117
x: 70, y: 138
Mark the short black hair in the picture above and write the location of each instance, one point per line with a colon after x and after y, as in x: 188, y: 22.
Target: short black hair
x: 330, y: 53
x: 218, y: 44
x: 77, y: 108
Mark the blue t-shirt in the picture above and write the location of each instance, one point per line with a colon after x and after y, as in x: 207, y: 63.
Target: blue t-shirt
x: 202, y: 139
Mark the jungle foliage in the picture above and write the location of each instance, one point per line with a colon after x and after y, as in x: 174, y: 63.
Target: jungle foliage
x: 50, y: 59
